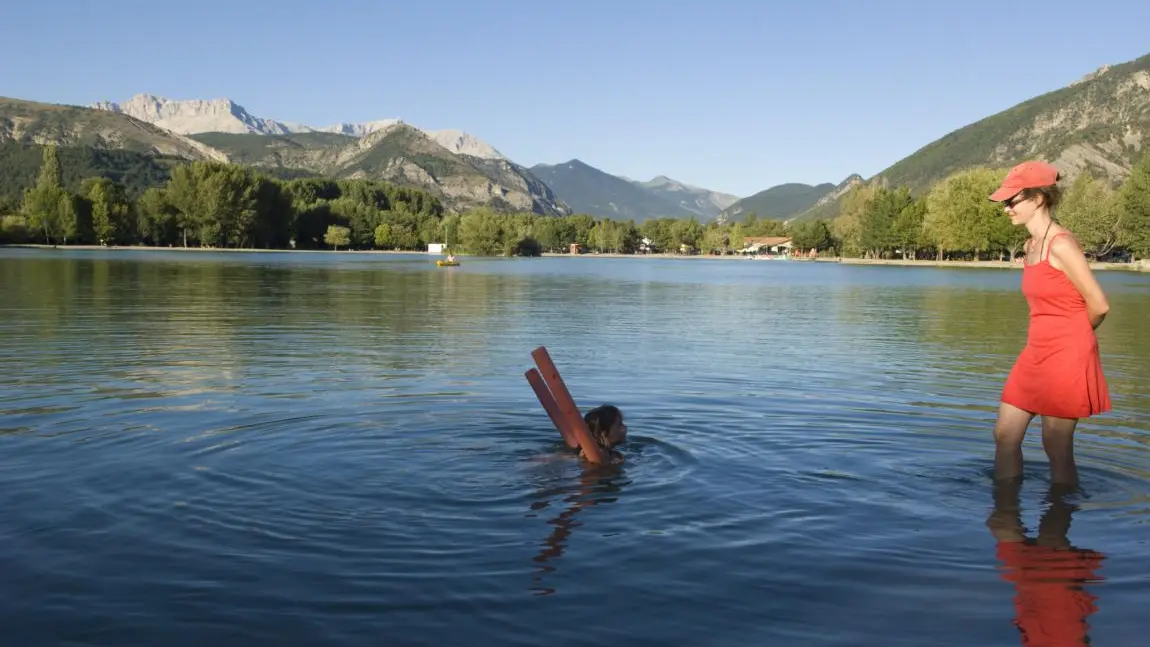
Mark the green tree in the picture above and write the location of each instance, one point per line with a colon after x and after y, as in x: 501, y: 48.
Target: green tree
x: 481, y: 233
x: 659, y: 232
x: 812, y: 234
x: 1134, y: 206
x: 715, y: 239
x: 609, y: 236
x: 1090, y: 210
x: 336, y: 236
x: 848, y: 224
x: 906, y: 230
x: 450, y: 228
x: 383, y: 236
x: 111, y: 211
x: 960, y: 217
x: 876, y: 226
x: 686, y: 232
x: 101, y: 218
x: 547, y: 233
x: 43, y: 202
x: 581, y: 225
x: 67, y: 223
x: 757, y: 227
x: 157, y: 220
x: 216, y: 203
x: 736, y: 239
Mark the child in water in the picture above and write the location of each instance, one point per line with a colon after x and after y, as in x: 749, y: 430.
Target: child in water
x: 605, y: 422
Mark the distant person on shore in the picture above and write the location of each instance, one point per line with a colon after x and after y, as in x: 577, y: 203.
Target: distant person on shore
x: 605, y: 422
x: 1058, y: 375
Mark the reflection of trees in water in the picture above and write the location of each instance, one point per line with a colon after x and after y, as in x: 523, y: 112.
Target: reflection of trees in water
x: 979, y: 331
x: 1049, y: 574
x: 596, y: 485
x: 221, y: 313
x: 979, y: 334
x: 1125, y: 346
x: 119, y: 307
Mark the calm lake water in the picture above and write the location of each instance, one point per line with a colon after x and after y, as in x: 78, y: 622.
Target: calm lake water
x: 341, y: 449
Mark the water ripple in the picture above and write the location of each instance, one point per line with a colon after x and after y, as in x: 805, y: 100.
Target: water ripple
x: 339, y: 449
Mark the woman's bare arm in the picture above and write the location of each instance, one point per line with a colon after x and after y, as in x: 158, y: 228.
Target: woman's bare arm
x: 1065, y: 256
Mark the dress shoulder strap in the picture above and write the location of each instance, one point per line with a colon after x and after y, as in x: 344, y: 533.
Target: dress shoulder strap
x: 1046, y: 253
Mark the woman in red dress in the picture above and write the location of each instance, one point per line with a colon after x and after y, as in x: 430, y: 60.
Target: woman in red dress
x: 1058, y: 375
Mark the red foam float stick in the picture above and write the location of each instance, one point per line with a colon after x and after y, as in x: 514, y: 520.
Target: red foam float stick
x: 551, y: 406
x: 566, y: 404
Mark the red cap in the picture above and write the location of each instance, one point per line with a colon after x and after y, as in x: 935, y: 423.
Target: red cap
x: 1027, y: 175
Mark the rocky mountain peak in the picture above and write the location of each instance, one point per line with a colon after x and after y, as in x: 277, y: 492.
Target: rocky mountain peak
x: 188, y: 116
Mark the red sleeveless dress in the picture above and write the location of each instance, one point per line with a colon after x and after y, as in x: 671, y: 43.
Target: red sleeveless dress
x: 1059, y: 372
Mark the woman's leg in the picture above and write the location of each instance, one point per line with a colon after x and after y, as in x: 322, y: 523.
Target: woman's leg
x: 1058, y: 441
x: 1009, y: 430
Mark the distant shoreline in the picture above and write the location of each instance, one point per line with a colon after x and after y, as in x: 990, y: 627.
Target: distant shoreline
x: 246, y: 250
x: 1137, y: 266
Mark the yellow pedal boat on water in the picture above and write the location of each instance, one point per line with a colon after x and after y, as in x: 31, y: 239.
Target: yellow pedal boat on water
x: 442, y: 263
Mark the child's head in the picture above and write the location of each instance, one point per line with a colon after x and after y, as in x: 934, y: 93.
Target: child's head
x: 605, y: 422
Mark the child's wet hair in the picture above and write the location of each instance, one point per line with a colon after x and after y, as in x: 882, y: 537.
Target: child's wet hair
x: 600, y: 420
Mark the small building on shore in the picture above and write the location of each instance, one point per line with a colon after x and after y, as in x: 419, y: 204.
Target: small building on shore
x: 767, y: 245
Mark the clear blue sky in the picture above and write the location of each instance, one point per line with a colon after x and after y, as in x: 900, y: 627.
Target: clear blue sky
x: 735, y: 95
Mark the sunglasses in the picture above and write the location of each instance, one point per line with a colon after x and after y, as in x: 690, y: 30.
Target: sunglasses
x: 1010, y: 204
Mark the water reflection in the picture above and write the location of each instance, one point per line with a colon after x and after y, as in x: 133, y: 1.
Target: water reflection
x: 1049, y: 573
x: 600, y: 484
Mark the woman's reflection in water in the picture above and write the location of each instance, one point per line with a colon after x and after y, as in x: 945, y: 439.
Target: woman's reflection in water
x: 596, y: 485
x: 1051, y: 604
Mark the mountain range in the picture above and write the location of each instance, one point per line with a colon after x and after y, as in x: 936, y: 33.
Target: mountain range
x: 245, y: 138
x: 1098, y: 124
x: 588, y: 190
x: 194, y: 116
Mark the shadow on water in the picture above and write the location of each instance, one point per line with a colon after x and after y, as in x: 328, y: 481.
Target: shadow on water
x: 1049, y: 573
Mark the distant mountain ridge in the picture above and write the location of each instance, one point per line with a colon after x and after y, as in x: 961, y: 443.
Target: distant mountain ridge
x: 1099, y: 123
x: 778, y: 202
x: 589, y: 190
x: 29, y: 122
x: 195, y: 116
x: 705, y: 203
x: 303, y: 146
x: 397, y: 153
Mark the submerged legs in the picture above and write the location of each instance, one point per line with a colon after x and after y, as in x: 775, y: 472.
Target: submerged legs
x: 1057, y: 440
x: 1009, y: 430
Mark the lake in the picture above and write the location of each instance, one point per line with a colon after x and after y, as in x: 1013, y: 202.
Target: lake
x: 219, y: 448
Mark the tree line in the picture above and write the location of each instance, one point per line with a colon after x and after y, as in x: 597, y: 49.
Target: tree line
x: 954, y: 218
x: 211, y: 204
